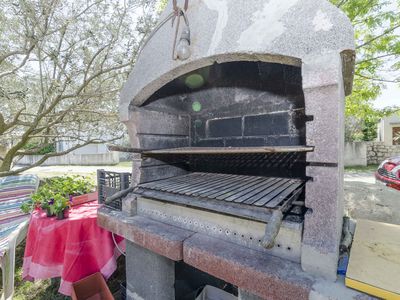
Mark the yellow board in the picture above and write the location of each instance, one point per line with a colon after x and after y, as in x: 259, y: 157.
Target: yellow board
x: 374, y: 265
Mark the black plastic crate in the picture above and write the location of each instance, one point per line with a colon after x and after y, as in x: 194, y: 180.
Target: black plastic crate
x: 109, y: 183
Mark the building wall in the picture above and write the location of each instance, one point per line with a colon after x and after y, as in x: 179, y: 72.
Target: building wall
x: 111, y: 158
x: 88, y: 149
x: 377, y: 152
x: 355, y: 154
x: 368, y: 153
x: 385, y: 129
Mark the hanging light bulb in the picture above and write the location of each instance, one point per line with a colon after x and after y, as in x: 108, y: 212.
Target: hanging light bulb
x: 183, y: 48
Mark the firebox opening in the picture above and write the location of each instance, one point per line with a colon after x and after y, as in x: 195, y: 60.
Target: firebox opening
x: 190, y: 281
x: 236, y: 105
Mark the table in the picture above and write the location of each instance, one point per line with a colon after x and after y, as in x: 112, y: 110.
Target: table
x: 71, y: 249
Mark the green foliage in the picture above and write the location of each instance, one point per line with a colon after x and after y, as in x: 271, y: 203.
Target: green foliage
x: 376, y: 24
x: 71, y: 185
x: 161, y: 4
x: 27, y: 206
x: 56, y: 193
x: 60, y: 203
x: 39, y: 149
x: 369, y: 130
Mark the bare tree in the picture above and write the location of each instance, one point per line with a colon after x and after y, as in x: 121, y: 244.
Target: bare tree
x: 62, y: 64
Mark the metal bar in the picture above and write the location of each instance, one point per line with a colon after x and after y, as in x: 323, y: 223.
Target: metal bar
x: 212, y: 178
x: 227, y: 150
x: 272, y: 229
x: 267, y: 191
x: 197, y: 189
x: 184, y: 183
x: 251, y: 183
x: 253, y: 192
x: 173, y: 182
x: 234, y: 181
x: 238, y: 196
x: 231, y: 186
x: 277, y: 200
x: 271, y: 195
x: 118, y: 148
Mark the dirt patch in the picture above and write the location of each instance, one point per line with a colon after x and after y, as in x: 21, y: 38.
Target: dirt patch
x: 365, y: 199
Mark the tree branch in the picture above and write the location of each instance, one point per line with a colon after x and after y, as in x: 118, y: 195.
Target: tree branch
x: 24, y: 61
x: 377, y: 79
x: 379, y: 36
x: 377, y: 57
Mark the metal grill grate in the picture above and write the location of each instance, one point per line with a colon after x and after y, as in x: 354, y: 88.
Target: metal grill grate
x: 256, y: 191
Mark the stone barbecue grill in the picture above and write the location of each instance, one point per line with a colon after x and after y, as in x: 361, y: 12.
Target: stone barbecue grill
x: 235, y: 118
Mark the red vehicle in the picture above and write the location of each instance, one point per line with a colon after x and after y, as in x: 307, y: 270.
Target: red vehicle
x: 389, y: 172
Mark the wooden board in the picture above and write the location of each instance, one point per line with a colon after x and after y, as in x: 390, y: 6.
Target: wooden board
x: 374, y: 266
x: 227, y: 150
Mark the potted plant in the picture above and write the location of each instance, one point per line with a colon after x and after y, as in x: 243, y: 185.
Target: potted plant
x: 56, y: 195
x: 61, y: 207
x: 44, y: 198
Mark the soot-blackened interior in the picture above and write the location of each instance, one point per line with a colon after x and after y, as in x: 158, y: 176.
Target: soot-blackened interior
x: 239, y: 104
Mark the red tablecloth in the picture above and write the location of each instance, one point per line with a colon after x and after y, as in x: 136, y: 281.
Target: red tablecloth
x: 71, y: 249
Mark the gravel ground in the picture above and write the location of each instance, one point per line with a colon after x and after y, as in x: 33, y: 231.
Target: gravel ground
x: 365, y: 199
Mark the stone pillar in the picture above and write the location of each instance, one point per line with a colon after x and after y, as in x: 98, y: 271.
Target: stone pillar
x: 324, y: 100
x: 149, y: 276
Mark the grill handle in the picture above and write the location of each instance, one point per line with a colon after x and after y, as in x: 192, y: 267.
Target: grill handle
x: 120, y: 194
x: 272, y: 229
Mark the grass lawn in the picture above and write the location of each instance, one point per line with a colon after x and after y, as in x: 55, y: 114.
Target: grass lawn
x: 361, y: 169
x: 47, y: 289
x: 86, y: 171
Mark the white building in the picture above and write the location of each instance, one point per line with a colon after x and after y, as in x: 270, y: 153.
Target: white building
x: 388, y: 129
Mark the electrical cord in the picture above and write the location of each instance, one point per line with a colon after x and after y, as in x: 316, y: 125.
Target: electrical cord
x: 116, y: 245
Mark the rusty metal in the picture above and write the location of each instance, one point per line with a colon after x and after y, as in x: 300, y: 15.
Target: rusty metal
x: 273, y: 226
x: 120, y: 194
x: 266, y: 199
x: 118, y: 148
x: 257, y: 191
x: 231, y: 150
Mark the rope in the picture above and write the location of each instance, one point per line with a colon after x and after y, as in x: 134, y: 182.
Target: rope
x: 176, y: 38
x: 176, y: 13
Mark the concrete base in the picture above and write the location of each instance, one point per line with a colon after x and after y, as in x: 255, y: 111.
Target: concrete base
x: 148, y: 275
x: 151, y: 273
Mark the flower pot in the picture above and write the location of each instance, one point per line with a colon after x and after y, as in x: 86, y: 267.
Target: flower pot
x: 91, y: 287
x: 49, y: 213
x: 60, y: 215
x: 66, y: 213
x: 77, y: 200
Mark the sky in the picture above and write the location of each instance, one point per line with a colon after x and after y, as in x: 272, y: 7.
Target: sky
x: 390, y: 96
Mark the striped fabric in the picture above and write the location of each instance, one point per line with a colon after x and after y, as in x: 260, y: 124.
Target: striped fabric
x: 14, y: 190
